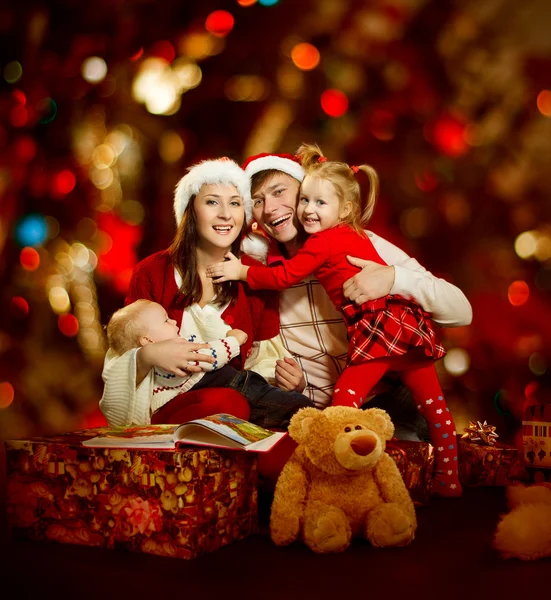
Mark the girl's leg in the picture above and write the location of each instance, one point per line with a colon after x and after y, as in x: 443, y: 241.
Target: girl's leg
x: 423, y: 383
x: 356, y: 381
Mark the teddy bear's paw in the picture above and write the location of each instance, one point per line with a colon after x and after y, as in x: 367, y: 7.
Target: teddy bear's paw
x: 284, y: 529
x: 326, y: 529
x: 388, y: 525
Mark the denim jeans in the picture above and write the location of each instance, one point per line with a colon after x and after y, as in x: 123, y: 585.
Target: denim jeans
x: 271, y: 407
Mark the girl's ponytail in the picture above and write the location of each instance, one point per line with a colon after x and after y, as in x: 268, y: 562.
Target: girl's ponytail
x: 369, y: 202
x: 310, y: 155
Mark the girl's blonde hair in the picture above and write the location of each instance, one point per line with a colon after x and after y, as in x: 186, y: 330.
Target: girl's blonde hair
x: 343, y: 178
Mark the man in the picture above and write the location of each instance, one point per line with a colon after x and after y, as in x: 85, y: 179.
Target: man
x: 312, y: 330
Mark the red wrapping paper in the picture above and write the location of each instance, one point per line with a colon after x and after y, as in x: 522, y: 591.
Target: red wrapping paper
x: 415, y: 461
x: 482, y: 465
x: 180, y: 503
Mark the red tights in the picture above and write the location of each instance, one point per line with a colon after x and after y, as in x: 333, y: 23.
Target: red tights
x: 355, y: 383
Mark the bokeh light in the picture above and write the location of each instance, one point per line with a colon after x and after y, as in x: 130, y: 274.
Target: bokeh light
x: 334, y: 103
x: 415, y: 222
x: 7, y: 394
x: 219, y: 23
x: 163, y: 49
x: 267, y: 2
x: 94, y: 69
x: 31, y: 230
x: 171, y: 147
x: 63, y: 183
x: 382, y: 124
x: 426, y: 181
x: 544, y: 102
x: 457, y: 361
x: 199, y: 45
x: 29, y: 259
x: 19, y: 116
x: 518, y: 293
x: 305, y: 56
x: 68, y: 325
x: 537, y: 363
x: 247, y: 88
x: 525, y: 244
x: 19, y: 307
x: 47, y: 107
x: 59, y: 299
x: 447, y: 133
x: 246, y: 2
x: 13, y: 71
x: 25, y: 148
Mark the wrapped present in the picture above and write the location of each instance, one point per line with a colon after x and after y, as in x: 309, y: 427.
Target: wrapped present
x: 415, y: 461
x: 536, y: 434
x: 497, y: 464
x: 179, y: 503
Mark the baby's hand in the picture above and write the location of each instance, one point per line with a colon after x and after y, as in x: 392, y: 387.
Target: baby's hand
x: 232, y: 269
x: 239, y: 335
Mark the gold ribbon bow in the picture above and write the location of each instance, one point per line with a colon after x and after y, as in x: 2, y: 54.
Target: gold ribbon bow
x: 480, y: 432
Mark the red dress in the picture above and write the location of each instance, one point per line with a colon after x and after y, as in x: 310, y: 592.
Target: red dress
x: 389, y: 326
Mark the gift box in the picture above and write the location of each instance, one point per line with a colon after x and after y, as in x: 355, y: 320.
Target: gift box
x: 536, y: 434
x: 415, y: 461
x: 497, y: 464
x: 180, y: 503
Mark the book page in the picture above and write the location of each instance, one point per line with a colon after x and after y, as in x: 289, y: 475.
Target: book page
x: 230, y: 427
x: 145, y: 435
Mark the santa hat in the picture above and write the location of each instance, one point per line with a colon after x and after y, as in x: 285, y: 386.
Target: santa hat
x: 223, y: 171
x: 288, y: 163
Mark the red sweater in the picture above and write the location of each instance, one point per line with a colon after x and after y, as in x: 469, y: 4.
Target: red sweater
x: 324, y: 256
x: 256, y: 313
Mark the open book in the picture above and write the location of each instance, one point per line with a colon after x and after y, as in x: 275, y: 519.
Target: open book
x: 219, y: 431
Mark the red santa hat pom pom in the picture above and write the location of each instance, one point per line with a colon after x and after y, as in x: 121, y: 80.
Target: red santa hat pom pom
x: 219, y: 171
x: 288, y: 163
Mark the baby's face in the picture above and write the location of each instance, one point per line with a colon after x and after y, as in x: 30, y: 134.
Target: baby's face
x: 157, y: 325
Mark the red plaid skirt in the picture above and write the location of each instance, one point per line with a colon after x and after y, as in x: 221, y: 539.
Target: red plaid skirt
x: 389, y: 326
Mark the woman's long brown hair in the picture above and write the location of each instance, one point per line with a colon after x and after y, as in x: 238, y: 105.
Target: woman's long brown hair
x: 183, y: 252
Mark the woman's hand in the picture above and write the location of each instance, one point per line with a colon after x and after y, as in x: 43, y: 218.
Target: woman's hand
x: 239, y: 335
x: 231, y: 269
x: 177, y: 356
x: 289, y: 376
x: 372, y: 282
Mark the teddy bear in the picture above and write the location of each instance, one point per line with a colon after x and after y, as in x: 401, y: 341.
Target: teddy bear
x: 339, y: 483
x: 525, y: 531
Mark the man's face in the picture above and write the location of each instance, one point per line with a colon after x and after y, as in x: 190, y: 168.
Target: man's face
x: 275, y: 205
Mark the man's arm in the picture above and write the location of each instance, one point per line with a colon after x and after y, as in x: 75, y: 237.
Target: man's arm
x: 404, y: 276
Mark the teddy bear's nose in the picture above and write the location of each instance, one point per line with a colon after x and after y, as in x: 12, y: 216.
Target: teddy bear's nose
x: 363, y: 445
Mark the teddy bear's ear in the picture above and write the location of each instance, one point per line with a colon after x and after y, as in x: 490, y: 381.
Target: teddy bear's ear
x: 302, y: 421
x: 383, y: 422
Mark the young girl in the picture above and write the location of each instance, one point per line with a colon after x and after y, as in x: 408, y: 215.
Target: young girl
x: 390, y: 333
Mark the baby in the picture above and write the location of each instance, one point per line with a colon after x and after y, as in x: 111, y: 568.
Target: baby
x: 145, y: 322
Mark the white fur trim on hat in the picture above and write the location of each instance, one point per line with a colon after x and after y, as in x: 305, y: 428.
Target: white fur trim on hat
x: 223, y: 171
x: 278, y: 163
x: 256, y: 246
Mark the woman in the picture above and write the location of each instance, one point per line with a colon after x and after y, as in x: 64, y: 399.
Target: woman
x: 210, y: 205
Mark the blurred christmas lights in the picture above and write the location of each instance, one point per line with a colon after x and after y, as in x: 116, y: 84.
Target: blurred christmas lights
x: 334, y: 103
x: 7, y: 394
x: 94, y: 69
x: 219, y: 23
x: 31, y: 230
x: 13, y: 71
x: 305, y: 56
